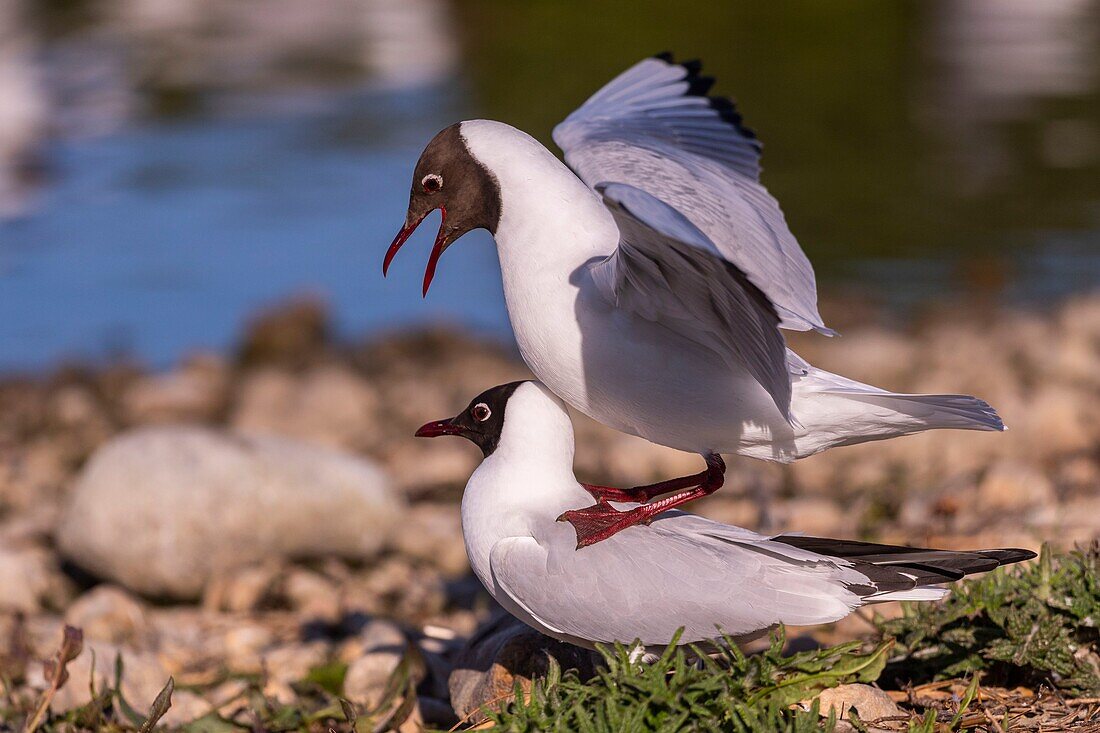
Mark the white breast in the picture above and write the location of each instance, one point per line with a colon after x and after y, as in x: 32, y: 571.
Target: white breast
x: 551, y: 225
x: 526, y: 483
x: 628, y: 373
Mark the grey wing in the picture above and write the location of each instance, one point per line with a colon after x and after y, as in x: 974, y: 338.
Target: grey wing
x: 667, y: 271
x: 654, y: 127
x: 631, y: 587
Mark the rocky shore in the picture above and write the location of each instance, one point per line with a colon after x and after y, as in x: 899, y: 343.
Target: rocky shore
x: 266, y: 518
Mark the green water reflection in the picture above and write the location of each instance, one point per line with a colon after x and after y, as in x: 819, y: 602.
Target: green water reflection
x: 881, y: 138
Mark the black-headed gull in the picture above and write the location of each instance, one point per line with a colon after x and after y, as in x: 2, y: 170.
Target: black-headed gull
x: 680, y: 571
x: 648, y: 280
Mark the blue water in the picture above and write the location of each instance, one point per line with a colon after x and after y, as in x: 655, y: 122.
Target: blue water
x: 163, y: 239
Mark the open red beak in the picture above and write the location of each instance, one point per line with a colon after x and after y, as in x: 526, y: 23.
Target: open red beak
x: 437, y: 428
x: 437, y: 249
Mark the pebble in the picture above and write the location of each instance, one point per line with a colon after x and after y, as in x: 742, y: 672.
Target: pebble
x: 504, y: 653
x: 108, y: 613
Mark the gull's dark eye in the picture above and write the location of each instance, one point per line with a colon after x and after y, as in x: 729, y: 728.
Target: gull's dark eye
x: 432, y: 182
x: 481, y: 412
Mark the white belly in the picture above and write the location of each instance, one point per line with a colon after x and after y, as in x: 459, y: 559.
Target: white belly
x: 634, y: 375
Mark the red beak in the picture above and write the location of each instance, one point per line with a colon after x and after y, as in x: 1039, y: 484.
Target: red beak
x: 437, y: 248
x: 437, y: 428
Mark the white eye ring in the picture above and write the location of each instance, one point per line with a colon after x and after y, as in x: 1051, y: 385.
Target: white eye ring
x: 432, y: 182
x: 482, y: 412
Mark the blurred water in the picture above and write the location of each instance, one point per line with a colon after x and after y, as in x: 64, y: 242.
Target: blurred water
x: 168, y: 167
x: 162, y: 239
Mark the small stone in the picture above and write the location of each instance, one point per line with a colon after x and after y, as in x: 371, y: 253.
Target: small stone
x: 292, y: 662
x: 108, y: 613
x: 292, y: 333
x: 33, y: 473
x: 186, y: 707
x: 870, y: 703
x: 74, y: 405
x: 329, y: 405
x: 195, y: 392
x: 506, y: 652
x: 244, y: 647
x: 29, y: 578
x: 280, y: 691
x: 242, y: 589
x: 367, y: 676
x: 394, y: 587
x: 373, y: 656
x: 143, y: 676
x: 377, y: 635
x: 432, y: 532
x: 313, y: 596
x: 228, y: 695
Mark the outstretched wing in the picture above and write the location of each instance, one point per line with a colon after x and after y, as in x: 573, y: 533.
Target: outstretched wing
x: 667, y: 271
x: 653, y: 127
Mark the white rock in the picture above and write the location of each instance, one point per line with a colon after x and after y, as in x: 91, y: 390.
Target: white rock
x: 161, y: 510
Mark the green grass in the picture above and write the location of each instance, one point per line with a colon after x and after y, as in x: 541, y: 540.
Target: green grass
x: 1027, y: 624
x: 692, y: 692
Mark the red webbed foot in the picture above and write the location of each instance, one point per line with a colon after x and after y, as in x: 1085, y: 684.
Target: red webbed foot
x: 601, y: 520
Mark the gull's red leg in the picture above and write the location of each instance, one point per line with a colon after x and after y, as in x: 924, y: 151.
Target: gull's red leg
x: 601, y: 520
x: 642, y: 494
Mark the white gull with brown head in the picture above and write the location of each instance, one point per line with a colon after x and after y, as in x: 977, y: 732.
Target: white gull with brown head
x: 648, y: 280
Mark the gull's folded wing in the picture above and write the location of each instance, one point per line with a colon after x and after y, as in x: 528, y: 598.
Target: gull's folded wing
x: 646, y: 587
x: 653, y: 127
x: 667, y: 271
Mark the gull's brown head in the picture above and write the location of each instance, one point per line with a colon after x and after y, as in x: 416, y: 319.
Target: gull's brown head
x: 450, y: 179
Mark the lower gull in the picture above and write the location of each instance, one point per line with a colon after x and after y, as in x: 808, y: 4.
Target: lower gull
x: 680, y: 570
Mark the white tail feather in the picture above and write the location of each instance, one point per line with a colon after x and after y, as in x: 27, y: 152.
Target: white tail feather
x: 916, y: 594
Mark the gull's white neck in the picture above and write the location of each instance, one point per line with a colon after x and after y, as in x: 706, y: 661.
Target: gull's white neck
x: 551, y: 225
x: 526, y: 482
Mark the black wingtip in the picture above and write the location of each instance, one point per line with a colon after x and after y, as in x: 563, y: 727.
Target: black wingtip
x: 1008, y: 555
x: 699, y: 85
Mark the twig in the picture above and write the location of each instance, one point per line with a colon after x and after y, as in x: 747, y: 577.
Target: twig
x: 72, y: 643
